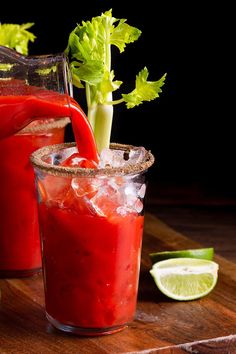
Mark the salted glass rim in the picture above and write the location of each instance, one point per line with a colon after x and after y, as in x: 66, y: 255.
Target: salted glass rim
x: 56, y: 170
x: 45, y: 125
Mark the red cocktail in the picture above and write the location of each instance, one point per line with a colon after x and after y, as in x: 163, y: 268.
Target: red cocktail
x: 91, y: 228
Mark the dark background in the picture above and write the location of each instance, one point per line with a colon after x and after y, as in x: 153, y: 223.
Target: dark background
x: 190, y: 127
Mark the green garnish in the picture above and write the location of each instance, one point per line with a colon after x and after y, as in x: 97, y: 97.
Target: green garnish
x: 144, y: 90
x: 16, y: 36
x: 89, y: 48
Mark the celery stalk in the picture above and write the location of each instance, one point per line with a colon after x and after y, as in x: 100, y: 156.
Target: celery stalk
x: 89, y: 50
x: 103, y: 124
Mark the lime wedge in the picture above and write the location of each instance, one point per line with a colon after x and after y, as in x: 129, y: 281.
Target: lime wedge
x: 200, y: 253
x: 185, y: 278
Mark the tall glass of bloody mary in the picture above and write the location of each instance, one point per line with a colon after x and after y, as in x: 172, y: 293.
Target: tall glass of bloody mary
x: 91, y: 222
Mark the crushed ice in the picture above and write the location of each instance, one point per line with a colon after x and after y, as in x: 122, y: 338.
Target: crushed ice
x: 120, y: 158
x: 106, y: 196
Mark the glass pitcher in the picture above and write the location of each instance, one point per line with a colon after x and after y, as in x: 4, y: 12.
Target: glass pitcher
x: 22, y: 79
x: 32, y: 90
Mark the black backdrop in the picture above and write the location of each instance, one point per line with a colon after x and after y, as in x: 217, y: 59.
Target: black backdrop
x: 189, y: 128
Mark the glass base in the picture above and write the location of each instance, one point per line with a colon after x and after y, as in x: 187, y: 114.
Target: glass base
x: 85, y: 331
x: 20, y: 273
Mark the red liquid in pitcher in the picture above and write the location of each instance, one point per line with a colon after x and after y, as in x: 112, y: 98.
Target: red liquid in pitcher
x: 21, y: 104
x: 20, y: 253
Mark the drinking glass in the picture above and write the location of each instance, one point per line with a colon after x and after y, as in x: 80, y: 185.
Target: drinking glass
x: 91, y: 223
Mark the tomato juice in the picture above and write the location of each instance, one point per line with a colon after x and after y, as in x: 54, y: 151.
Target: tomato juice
x: 92, y: 268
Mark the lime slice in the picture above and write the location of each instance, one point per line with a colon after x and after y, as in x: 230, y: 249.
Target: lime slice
x: 200, y: 253
x: 185, y: 278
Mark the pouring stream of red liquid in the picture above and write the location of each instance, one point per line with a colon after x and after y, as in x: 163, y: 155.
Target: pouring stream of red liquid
x: 20, y: 104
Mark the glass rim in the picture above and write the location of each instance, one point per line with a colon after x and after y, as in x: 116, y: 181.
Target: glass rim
x: 53, y: 124
x: 63, y: 171
x: 31, y: 60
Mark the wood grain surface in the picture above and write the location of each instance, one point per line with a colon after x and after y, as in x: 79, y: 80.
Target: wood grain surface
x: 207, y: 325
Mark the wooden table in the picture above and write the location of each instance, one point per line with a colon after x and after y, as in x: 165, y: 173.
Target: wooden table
x: 207, y: 325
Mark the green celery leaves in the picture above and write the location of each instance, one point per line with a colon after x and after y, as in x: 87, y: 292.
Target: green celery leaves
x: 89, y: 48
x: 123, y: 34
x: 144, y: 90
x: 89, y: 51
x: 16, y: 36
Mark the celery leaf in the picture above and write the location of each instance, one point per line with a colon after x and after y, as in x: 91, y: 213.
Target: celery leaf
x: 16, y: 36
x: 91, y: 41
x: 108, y: 84
x: 123, y: 34
x: 90, y: 72
x: 144, y: 90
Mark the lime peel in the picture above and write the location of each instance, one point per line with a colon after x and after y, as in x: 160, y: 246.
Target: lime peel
x: 185, y: 279
x: 199, y: 253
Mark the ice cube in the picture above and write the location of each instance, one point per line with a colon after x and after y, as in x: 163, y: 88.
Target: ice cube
x: 132, y: 189
x: 142, y: 191
x: 66, y: 153
x: 138, y: 206
x: 106, y: 157
x: 130, y: 196
x: 123, y: 210
x: 85, y: 189
x: 136, y: 155
x: 119, y: 158
x: 81, y: 205
x: 111, y: 158
x: 56, y: 188
x: 135, y: 207
x: 132, y: 193
x: 133, y: 203
x: 85, y: 186
x: 107, y: 199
